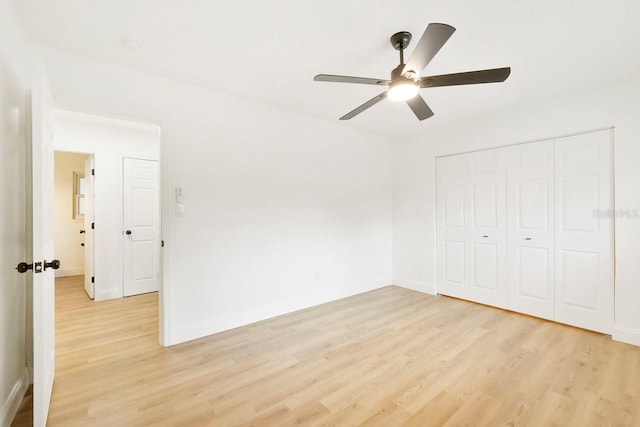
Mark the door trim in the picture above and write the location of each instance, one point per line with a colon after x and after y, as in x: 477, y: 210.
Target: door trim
x: 531, y: 141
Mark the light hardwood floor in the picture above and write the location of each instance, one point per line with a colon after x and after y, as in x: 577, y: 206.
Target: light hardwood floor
x: 389, y: 357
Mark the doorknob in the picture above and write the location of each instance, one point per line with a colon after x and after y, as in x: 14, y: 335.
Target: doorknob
x: 23, y: 267
x: 55, y: 264
x: 127, y: 232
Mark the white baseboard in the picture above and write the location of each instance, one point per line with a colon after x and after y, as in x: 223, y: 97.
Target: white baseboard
x: 69, y: 271
x: 416, y: 285
x: 105, y: 294
x: 627, y: 335
x: 213, y: 326
x: 12, y: 404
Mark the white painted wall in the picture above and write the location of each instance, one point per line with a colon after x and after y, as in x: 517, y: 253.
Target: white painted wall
x: 414, y: 181
x: 14, y: 84
x: 67, y: 229
x: 110, y: 140
x: 282, y: 211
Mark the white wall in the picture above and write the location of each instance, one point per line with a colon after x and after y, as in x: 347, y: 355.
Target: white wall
x: 110, y: 140
x: 414, y: 181
x: 67, y: 229
x: 14, y: 83
x: 282, y: 211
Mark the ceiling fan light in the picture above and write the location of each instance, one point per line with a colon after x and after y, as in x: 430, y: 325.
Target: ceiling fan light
x: 403, y: 91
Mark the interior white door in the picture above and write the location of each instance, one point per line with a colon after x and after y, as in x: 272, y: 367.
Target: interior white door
x: 43, y: 246
x: 89, y: 231
x: 530, y: 228
x: 584, y: 230
x: 141, y: 219
x: 486, y: 234
x: 452, y: 220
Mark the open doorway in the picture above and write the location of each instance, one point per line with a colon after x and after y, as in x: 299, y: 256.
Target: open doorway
x: 53, y: 354
x: 126, y: 197
x: 116, y: 165
x: 109, y: 213
x: 71, y: 197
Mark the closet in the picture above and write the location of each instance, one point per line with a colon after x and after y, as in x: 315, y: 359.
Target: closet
x: 529, y: 228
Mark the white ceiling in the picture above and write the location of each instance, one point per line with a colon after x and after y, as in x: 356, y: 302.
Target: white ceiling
x: 269, y: 51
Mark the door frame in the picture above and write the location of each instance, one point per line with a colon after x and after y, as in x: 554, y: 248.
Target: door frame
x: 163, y: 298
x: 89, y: 239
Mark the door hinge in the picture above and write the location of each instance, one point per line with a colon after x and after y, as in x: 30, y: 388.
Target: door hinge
x: 93, y: 171
x: 162, y: 243
x: 93, y: 279
x: 93, y: 225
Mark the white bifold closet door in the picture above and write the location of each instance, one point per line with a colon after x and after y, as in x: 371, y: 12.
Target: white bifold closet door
x: 584, y: 230
x: 530, y: 222
x: 471, y: 227
x: 487, y: 234
x: 452, y: 217
x: 530, y: 228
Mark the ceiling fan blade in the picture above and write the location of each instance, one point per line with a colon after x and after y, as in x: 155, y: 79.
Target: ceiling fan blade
x: 468, y: 78
x: 349, y: 79
x: 420, y: 107
x: 434, y: 37
x: 370, y: 103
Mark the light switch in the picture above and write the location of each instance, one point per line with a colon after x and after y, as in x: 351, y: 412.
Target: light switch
x: 179, y: 209
x: 178, y: 194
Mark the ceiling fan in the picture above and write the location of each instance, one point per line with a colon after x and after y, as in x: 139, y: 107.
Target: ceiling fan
x: 405, y: 78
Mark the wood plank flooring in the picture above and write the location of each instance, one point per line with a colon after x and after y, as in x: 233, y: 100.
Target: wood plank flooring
x: 390, y: 357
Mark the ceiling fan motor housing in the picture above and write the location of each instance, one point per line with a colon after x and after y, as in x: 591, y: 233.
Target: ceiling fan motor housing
x: 397, y: 76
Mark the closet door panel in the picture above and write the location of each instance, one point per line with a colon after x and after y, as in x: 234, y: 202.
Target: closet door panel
x: 530, y: 218
x: 486, y: 235
x: 485, y: 263
x: 534, y: 200
x: 454, y: 262
x: 533, y: 276
x: 584, y: 231
x: 452, y: 218
x: 485, y: 209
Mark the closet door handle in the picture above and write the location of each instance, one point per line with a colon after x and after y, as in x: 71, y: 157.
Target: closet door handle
x: 484, y: 235
x: 527, y: 238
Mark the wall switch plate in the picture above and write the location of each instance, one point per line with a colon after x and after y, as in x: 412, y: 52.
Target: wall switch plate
x: 178, y: 194
x: 179, y: 209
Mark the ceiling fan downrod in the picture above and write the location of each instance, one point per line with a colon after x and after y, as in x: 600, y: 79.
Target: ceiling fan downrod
x: 400, y: 41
